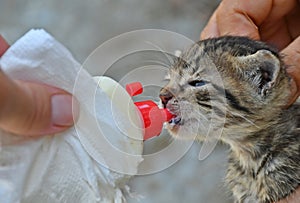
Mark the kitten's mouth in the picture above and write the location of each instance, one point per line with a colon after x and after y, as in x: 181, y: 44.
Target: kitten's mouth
x: 176, y: 121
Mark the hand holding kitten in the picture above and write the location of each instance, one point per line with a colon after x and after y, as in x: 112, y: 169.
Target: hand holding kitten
x: 276, y: 22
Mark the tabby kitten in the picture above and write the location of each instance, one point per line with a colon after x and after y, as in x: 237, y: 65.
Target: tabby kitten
x: 248, y: 103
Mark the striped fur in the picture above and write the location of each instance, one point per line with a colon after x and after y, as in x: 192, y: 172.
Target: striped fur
x: 240, y: 84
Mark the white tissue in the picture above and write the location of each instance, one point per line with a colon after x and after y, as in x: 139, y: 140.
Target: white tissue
x: 66, y: 167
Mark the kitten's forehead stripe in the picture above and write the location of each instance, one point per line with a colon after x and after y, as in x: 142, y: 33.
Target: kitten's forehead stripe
x: 237, y: 46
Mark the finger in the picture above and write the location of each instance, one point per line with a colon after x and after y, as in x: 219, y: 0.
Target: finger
x: 276, y: 29
x: 3, y: 45
x: 242, y: 17
x: 34, y: 109
x: 293, y: 20
x: 276, y: 34
x: 211, y: 29
x: 292, y: 59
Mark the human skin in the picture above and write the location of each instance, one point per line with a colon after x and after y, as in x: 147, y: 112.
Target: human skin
x: 33, y: 109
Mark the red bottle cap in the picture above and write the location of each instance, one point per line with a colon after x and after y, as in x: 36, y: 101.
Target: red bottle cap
x: 153, y: 117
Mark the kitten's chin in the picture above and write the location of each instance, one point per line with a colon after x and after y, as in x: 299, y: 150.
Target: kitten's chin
x: 187, y: 129
x: 180, y: 131
x: 173, y: 129
x: 174, y: 124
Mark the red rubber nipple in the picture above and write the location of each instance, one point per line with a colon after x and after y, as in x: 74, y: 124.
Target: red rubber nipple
x: 152, y: 116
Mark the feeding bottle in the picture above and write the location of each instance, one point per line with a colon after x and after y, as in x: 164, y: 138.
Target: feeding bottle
x: 151, y: 116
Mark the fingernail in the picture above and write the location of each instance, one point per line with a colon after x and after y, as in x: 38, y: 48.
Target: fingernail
x: 62, y: 112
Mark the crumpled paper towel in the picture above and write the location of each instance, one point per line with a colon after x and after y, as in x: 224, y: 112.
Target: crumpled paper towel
x: 69, y: 166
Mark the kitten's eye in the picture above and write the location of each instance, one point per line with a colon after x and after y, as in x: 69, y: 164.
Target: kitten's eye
x: 197, y: 83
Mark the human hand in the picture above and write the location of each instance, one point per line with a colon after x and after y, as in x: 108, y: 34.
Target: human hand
x: 33, y: 109
x: 276, y: 22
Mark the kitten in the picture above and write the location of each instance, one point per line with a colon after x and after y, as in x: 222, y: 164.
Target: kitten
x: 241, y: 86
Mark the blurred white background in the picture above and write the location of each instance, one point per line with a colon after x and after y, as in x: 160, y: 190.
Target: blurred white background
x: 82, y: 26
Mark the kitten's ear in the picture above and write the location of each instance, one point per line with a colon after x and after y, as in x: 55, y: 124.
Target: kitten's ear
x: 263, y: 69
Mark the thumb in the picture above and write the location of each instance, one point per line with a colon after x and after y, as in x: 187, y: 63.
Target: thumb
x: 292, y: 60
x: 33, y: 109
x: 237, y: 18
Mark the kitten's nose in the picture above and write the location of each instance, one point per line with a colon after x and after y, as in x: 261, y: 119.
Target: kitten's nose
x: 165, y: 96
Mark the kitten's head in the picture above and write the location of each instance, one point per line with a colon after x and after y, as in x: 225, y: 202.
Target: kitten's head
x: 234, y: 82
